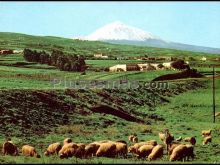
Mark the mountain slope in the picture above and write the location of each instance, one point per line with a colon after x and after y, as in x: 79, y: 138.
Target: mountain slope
x: 119, y: 33
x: 170, y: 45
x: 88, y: 48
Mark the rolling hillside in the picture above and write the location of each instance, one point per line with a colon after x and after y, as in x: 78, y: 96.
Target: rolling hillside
x: 87, y: 48
x: 40, y: 117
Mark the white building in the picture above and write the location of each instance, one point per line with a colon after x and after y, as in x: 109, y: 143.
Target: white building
x: 100, y: 56
x: 203, y: 58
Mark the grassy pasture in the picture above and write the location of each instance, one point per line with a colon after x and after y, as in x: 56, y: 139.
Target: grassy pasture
x: 27, y: 92
x: 185, y: 115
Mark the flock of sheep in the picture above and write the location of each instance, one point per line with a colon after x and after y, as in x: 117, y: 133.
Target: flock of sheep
x: 150, y: 150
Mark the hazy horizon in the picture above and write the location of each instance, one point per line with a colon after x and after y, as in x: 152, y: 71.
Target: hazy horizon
x: 193, y: 23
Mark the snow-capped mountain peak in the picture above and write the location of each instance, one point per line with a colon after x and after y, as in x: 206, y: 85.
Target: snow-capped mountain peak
x: 119, y: 31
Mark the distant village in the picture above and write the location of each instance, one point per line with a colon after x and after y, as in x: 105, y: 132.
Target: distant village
x: 146, y: 63
x: 149, y: 63
x: 10, y: 51
x: 158, y: 58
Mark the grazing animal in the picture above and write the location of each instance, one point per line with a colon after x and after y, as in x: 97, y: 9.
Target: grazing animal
x: 189, y: 152
x: 121, y: 149
x: 217, y: 114
x: 122, y: 141
x: 106, y: 150
x: 192, y: 140
x: 9, y: 149
x: 171, y: 147
x: 206, y: 132
x: 144, y: 150
x: 91, y: 149
x: 161, y: 136
x: 179, y: 139
x: 169, y: 138
x: 151, y: 142
x: 207, y: 139
x: 67, y: 140
x: 67, y: 145
x: 28, y: 150
x: 130, y: 138
x: 135, y: 139
x: 156, y: 153
x: 68, y: 152
x: 134, y: 149
x: 166, y: 138
x: 179, y: 153
x: 53, y: 149
x: 80, y: 151
x: 101, y: 141
x: 81, y: 145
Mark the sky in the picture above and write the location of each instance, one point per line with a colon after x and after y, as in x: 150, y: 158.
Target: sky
x: 196, y: 23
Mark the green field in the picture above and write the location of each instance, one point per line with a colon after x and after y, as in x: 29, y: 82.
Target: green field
x: 34, y: 111
x: 186, y: 114
x: 41, y: 76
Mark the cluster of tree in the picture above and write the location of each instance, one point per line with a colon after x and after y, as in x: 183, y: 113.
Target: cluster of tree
x: 189, y: 73
x: 192, y: 59
x: 180, y: 64
x: 57, y: 58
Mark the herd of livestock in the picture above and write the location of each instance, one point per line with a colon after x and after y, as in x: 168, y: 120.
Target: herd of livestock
x: 176, y: 149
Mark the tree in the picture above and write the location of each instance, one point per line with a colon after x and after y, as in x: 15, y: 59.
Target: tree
x: 58, y: 59
x: 192, y: 59
x: 27, y: 53
x: 180, y: 64
x: 54, y: 56
x: 82, y: 63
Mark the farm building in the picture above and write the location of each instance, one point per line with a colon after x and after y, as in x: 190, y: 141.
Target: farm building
x: 6, y: 51
x: 131, y: 67
x: 152, y: 58
x: 100, y: 56
x: 164, y: 58
x: 203, y: 58
x: 157, y: 65
x: 17, y: 51
x: 118, y: 68
x: 104, y: 57
x: 123, y: 58
x: 143, y: 67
